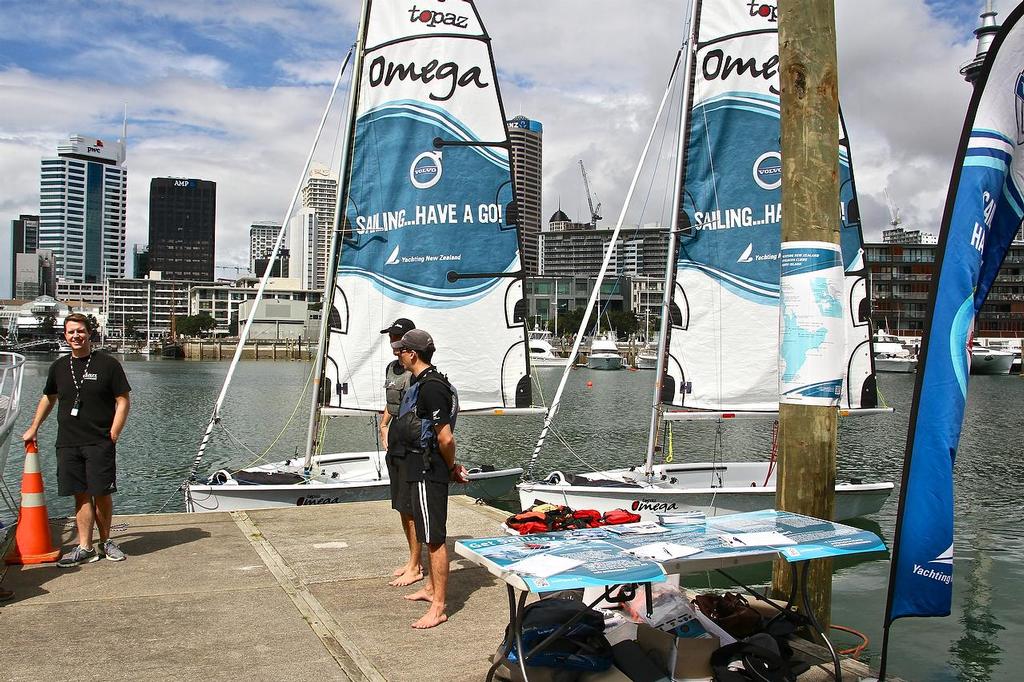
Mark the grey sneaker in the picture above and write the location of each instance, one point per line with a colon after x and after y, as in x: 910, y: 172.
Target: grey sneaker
x: 111, y: 551
x: 78, y: 556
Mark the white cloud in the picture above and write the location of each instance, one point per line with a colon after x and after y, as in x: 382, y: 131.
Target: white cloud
x: 592, y: 71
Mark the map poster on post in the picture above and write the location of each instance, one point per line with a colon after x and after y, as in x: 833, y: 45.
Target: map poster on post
x: 811, y: 332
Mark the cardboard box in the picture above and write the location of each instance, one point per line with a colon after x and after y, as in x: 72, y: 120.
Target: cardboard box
x: 684, y: 658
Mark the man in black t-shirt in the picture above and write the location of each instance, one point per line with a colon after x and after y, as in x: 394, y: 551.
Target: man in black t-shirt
x: 424, y: 428
x: 91, y: 393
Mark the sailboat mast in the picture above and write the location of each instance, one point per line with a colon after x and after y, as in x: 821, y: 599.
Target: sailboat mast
x: 670, y: 258
x: 327, y: 302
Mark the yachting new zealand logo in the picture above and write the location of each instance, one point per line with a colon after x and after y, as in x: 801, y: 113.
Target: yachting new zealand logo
x: 425, y: 171
x: 768, y: 171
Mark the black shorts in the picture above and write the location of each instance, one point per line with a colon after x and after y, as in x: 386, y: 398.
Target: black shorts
x: 430, y: 511
x: 87, y: 469
x: 401, y: 497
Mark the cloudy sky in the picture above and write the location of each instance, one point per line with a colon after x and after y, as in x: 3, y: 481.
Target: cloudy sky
x: 232, y: 90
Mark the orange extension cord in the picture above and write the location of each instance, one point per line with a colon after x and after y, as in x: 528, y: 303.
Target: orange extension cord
x: 856, y: 651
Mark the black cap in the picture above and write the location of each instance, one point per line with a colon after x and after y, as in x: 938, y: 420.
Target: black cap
x: 399, y: 327
x: 415, y: 339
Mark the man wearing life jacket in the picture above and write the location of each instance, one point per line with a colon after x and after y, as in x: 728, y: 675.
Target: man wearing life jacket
x: 396, y: 381
x: 424, y: 427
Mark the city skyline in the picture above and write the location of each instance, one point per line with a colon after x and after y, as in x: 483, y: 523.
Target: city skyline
x: 233, y: 94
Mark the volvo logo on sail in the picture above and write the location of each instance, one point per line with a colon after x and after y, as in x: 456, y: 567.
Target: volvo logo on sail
x: 768, y: 170
x: 425, y: 171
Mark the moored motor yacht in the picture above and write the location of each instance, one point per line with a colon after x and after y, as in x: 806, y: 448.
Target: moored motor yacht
x: 985, y: 360
x: 604, y: 354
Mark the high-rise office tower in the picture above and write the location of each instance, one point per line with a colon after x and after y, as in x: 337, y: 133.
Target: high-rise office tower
x: 22, y: 239
x: 182, y: 216
x: 319, y: 194
x: 262, y: 236
x: 83, y: 192
x: 527, y: 138
x: 304, y: 235
x: 140, y: 261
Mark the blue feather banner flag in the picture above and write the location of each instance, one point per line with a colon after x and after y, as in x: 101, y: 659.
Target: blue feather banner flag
x: 983, y: 214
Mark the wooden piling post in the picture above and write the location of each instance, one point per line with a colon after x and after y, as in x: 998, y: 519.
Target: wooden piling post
x: 810, y: 212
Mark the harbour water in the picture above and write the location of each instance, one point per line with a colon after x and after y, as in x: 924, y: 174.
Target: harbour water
x: 606, y: 424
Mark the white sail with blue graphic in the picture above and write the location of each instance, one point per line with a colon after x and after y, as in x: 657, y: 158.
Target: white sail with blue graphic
x: 429, y: 230
x: 724, y: 342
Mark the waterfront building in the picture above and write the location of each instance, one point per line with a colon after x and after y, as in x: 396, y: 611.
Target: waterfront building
x: 182, y: 220
x: 526, y: 137
x: 34, y: 275
x: 640, y: 251
x: 142, y: 308
x: 222, y: 300
x: 83, y: 195
x: 898, y: 235
x: 319, y: 195
x: 262, y: 236
x: 900, y: 279
x: 90, y: 292
x: 280, y: 320
x: 545, y: 295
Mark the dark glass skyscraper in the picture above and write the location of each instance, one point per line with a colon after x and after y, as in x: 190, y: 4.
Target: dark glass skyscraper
x: 182, y: 216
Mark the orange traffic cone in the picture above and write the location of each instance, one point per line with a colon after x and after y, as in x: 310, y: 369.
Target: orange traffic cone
x: 32, y: 542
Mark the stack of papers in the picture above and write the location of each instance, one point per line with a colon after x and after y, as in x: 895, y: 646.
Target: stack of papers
x: 544, y: 565
x: 641, y: 528
x: 663, y: 551
x: 765, y: 539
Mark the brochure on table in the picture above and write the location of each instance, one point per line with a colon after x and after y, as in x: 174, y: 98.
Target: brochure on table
x: 595, y: 557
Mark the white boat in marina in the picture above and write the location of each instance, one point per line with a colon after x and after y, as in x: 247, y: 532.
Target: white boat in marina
x: 542, y: 353
x: 895, y: 364
x: 647, y: 358
x: 399, y: 131
x: 719, y: 347
x: 604, y: 354
x: 986, y: 360
x: 884, y: 343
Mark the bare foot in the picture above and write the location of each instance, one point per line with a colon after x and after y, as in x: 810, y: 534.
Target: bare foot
x: 422, y: 595
x: 430, y: 620
x: 400, y: 570
x: 407, y: 579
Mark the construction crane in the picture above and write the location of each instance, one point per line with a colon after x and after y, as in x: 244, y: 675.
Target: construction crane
x: 595, y: 211
x: 894, y: 210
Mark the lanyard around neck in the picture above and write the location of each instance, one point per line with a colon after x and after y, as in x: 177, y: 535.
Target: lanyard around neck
x: 74, y: 379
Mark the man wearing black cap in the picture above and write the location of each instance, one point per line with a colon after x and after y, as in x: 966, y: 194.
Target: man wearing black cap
x: 424, y: 427
x: 396, y: 381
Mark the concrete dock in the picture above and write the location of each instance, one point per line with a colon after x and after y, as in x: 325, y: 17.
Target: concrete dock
x: 296, y: 593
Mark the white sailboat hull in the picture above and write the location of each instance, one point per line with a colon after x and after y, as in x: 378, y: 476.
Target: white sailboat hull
x: 714, y: 489
x: 344, y: 477
x: 604, y: 361
x: 553, y: 361
x: 897, y: 365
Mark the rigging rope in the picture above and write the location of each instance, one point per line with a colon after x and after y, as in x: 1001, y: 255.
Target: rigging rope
x: 600, y: 277
x: 215, y: 416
